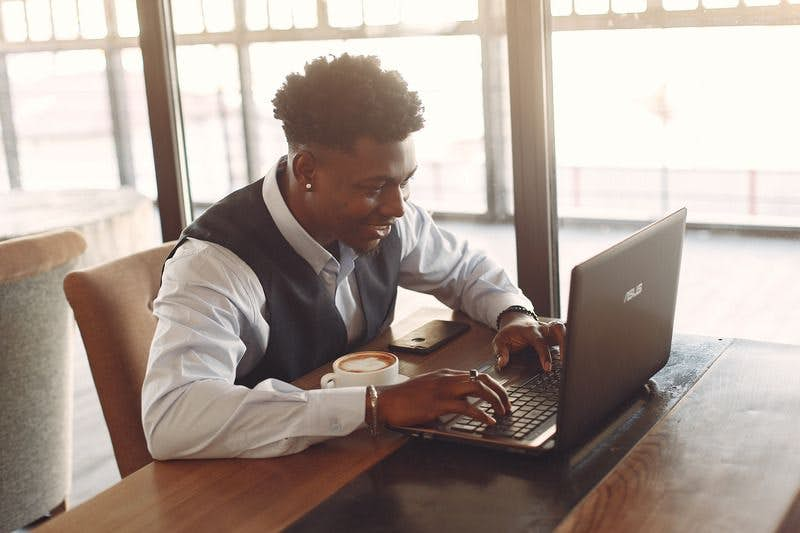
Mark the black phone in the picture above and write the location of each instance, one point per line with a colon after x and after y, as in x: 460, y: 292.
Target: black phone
x: 429, y: 337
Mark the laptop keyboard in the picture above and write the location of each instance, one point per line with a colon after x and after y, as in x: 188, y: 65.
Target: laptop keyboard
x: 532, y: 403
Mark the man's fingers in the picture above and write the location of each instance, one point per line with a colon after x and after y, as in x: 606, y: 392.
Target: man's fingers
x: 539, y: 343
x: 544, y: 356
x: 486, y: 393
x: 559, y: 334
x: 490, y: 382
x: 465, y: 408
x: 501, y: 354
x: 480, y: 389
x: 555, y: 333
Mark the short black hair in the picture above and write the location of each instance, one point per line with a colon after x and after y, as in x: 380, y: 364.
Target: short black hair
x: 340, y: 99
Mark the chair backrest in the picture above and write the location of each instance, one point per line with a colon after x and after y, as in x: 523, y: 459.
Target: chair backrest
x: 36, y: 370
x: 113, y: 305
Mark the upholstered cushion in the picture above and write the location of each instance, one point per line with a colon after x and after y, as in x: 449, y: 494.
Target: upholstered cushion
x: 113, y: 307
x: 27, y: 256
x: 36, y: 373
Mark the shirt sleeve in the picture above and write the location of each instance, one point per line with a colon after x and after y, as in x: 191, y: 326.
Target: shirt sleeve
x: 435, y: 261
x: 210, y: 317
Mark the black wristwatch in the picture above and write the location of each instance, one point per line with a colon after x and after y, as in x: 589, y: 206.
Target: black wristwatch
x: 516, y: 309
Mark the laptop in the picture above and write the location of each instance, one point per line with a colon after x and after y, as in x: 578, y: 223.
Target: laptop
x: 619, y: 334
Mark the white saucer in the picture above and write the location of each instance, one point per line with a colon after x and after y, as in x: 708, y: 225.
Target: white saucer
x: 400, y: 379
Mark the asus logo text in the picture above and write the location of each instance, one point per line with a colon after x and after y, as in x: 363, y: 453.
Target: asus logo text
x: 634, y: 292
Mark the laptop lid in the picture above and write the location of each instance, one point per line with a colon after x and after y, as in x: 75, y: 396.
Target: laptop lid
x: 619, y: 325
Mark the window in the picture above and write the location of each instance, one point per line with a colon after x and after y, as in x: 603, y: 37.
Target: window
x: 685, y: 105
x: 73, y: 110
x: 440, y: 48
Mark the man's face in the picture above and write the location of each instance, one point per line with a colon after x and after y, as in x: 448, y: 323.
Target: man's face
x: 357, y: 195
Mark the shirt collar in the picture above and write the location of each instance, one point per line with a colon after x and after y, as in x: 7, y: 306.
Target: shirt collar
x: 297, y: 237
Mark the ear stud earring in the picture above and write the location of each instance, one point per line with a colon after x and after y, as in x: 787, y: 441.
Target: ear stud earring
x: 308, y: 186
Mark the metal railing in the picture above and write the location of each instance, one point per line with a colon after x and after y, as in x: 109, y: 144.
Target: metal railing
x: 731, y: 197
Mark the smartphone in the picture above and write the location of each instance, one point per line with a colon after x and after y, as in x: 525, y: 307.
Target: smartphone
x: 429, y: 337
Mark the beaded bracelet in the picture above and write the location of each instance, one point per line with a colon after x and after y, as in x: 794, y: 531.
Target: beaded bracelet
x: 516, y: 309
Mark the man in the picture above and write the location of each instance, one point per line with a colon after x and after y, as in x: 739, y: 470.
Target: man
x: 294, y: 270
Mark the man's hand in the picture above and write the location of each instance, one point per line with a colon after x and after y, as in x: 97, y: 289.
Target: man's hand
x: 426, y: 397
x: 518, y: 330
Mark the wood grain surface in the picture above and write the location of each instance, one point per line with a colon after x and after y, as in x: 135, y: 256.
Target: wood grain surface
x: 725, y: 459
x: 262, y: 494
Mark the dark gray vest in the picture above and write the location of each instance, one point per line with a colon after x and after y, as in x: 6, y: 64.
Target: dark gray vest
x: 305, y: 329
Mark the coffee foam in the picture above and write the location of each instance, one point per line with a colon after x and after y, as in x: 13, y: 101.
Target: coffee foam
x: 369, y: 362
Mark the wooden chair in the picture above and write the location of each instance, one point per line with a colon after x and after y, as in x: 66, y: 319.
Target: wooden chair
x: 36, y: 369
x: 113, y: 306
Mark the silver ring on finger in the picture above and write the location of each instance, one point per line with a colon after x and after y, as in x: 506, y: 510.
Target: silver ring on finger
x: 473, y: 374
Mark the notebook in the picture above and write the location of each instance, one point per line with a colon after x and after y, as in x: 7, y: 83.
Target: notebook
x: 619, y: 334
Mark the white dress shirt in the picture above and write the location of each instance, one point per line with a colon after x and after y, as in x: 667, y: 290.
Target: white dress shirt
x: 213, y: 324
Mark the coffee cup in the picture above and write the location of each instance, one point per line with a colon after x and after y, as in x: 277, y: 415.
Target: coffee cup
x: 362, y: 368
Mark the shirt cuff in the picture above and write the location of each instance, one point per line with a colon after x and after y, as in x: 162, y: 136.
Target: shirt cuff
x: 336, y: 412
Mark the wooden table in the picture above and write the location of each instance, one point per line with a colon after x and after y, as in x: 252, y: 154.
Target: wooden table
x: 726, y: 459
x: 723, y: 456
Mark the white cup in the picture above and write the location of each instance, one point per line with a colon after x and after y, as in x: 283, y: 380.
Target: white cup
x: 362, y: 368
